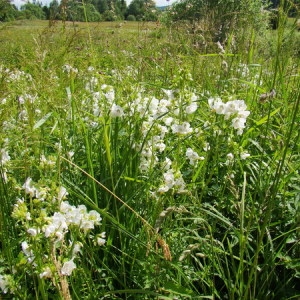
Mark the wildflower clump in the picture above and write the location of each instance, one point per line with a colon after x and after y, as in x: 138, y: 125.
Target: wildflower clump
x: 53, y: 233
x: 236, y: 110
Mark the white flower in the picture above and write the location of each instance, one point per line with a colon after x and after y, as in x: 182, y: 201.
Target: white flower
x: 4, y: 283
x: 59, y: 236
x: 4, y: 157
x: 153, y: 106
x: 244, y: 155
x: 167, y: 164
x: 172, y: 180
x: 87, y: 224
x: 230, y: 156
x: 49, y: 230
x: 179, y: 182
x: 58, y: 226
x: 217, y: 105
x: 94, y: 216
x: 59, y: 220
x: 163, y: 189
x: 145, y: 164
x: 193, y: 156
x: 116, y: 111
x: 65, y: 207
x: 32, y: 231
x: 169, y: 181
x: 161, y: 146
x: 47, y: 273
x: 25, y: 248
x: 183, y: 128
x: 62, y: 193
x: 76, y: 248
x: 69, y: 69
x: 243, y: 114
x: 169, y: 178
x: 101, y: 239
x: 27, y: 251
x: 169, y: 94
x: 168, y: 121
x: 68, y: 268
x: 206, y: 147
x: 163, y: 130
x: 29, y: 189
x: 236, y: 108
x: 70, y: 154
x: 239, y: 124
x: 191, y: 108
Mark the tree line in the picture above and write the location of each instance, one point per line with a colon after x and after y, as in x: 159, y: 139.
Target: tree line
x: 225, y: 13
x: 78, y: 10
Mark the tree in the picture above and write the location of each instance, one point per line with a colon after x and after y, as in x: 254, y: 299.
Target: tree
x: 219, y: 17
x: 142, y: 10
x: 74, y: 10
x: 121, y: 8
x: 8, y: 12
x: 32, y: 11
x: 54, y: 10
x: 101, y: 5
x: 111, y: 9
x: 46, y: 11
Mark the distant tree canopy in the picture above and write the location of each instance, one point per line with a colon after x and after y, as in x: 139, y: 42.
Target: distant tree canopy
x: 8, y: 11
x: 81, y: 10
x: 223, y: 13
x: 142, y: 10
x: 221, y: 17
x: 32, y: 11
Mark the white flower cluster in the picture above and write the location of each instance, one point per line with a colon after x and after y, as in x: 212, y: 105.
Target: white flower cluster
x: 70, y: 215
x: 235, y: 109
x: 161, y: 117
x: 193, y: 156
x: 172, y: 180
x: 52, y: 227
x: 5, y: 283
x: 103, y: 99
x: 4, y: 159
x: 183, y: 128
x: 69, y: 69
x: 14, y: 76
x: 146, y: 107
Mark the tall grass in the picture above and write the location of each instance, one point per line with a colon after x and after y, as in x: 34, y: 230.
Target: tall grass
x: 198, y: 199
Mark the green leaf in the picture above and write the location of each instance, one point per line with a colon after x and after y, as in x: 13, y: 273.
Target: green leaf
x: 265, y: 119
x: 41, y: 121
x: 177, y: 289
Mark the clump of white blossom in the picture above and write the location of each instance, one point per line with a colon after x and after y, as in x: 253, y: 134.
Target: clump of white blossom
x: 236, y: 110
x: 4, y: 159
x: 6, y: 283
x: 193, y: 156
x: 172, y: 179
x: 49, y: 223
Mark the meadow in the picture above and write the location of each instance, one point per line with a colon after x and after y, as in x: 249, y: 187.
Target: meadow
x: 140, y: 161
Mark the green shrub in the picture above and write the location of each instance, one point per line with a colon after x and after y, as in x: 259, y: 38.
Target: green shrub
x: 131, y: 18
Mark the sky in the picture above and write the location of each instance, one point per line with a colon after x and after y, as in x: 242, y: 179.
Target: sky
x: 18, y: 3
